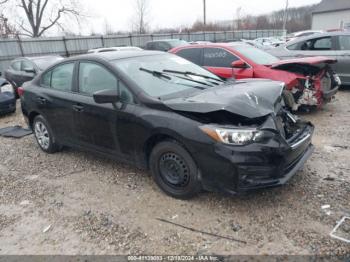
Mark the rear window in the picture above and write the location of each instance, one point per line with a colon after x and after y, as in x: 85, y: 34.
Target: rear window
x: 344, y: 42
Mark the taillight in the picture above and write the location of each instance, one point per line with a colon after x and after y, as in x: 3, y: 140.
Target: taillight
x: 20, y: 91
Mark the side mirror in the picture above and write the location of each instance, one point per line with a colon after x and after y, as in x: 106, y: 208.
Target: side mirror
x: 29, y: 70
x: 239, y: 64
x: 106, y: 96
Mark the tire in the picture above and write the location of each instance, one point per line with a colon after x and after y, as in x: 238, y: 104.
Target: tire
x: 174, y: 170
x: 44, y: 135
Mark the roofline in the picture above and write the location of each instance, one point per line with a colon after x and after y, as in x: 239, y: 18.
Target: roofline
x: 330, y: 11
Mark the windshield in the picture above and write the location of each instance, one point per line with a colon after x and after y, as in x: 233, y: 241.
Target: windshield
x: 256, y: 55
x: 45, y: 62
x: 156, y: 75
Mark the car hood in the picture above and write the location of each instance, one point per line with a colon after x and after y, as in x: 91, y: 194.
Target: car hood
x: 317, y: 60
x: 250, y: 98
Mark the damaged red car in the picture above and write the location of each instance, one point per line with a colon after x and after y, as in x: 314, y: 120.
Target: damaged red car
x: 309, y: 82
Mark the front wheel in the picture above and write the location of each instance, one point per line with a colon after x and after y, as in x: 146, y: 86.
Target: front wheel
x: 44, y: 135
x: 174, y: 170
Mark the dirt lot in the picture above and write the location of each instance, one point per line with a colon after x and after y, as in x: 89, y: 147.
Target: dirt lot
x: 76, y: 203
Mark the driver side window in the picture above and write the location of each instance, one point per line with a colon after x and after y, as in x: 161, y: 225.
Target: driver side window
x: 94, y: 77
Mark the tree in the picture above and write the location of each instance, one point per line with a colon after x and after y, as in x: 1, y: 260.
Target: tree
x: 142, y: 8
x: 42, y: 15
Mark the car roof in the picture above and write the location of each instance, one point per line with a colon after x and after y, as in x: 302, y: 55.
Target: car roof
x: 115, y: 55
x: 31, y: 58
x: 319, y: 35
x: 165, y: 40
x: 224, y: 45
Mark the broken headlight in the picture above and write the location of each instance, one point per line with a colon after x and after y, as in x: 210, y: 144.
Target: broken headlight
x: 235, y: 136
x: 6, y: 88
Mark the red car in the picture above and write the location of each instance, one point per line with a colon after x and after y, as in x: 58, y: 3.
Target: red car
x: 309, y: 82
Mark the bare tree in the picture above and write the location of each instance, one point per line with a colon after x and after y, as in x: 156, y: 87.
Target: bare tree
x: 42, y: 15
x: 142, y: 8
x: 6, y: 29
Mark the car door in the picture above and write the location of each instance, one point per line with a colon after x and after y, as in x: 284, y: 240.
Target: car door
x: 219, y: 61
x: 195, y: 55
x: 54, y: 100
x: 96, y: 126
x: 13, y: 73
x: 28, y: 71
x: 342, y: 67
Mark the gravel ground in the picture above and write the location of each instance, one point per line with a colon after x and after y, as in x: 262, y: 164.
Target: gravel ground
x: 73, y: 202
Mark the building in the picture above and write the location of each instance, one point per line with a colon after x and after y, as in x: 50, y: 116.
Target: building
x: 331, y: 14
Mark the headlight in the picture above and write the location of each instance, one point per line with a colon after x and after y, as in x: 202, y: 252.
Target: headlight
x: 6, y: 88
x: 234, y: 136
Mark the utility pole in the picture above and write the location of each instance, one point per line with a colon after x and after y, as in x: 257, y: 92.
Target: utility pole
x: 285, y: 15
x: 204, y: 12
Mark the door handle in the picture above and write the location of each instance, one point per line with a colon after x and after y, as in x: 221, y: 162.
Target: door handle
x: 78, y: 108
x: 41, y: 100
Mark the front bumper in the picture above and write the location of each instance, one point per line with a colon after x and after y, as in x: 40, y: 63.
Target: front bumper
x: 236, y: 170
x: 7, y: 103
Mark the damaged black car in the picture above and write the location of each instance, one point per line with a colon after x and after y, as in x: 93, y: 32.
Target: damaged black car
x: 191, y: 129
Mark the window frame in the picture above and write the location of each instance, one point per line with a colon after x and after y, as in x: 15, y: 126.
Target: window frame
x: 238, y: 57
x: 338, y: 43
x: 201, y: 54
x: 50, y: 71
x: 77, y: 91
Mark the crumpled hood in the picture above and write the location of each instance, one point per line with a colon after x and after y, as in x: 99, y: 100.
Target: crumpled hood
x: 250, y: 98
x: 315, y: 61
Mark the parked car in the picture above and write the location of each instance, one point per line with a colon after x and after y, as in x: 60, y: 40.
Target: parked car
x: 155, y: 110
x: 335, y: 45
x: 299, y: 34
x: 165, y: 45
x: 24, y: 69
x: 310, y: 82
x: 114, y: 48
x: 7, y: 98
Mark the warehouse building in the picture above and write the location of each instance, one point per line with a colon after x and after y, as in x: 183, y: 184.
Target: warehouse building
x: 331, y: 14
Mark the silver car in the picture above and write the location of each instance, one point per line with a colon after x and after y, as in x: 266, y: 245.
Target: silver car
x: 334, y: 45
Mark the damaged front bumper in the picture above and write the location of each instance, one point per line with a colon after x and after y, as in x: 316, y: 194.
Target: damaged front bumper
x: 238, y: 169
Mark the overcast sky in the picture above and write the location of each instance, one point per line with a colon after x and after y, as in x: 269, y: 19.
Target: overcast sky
x: 175, y: 13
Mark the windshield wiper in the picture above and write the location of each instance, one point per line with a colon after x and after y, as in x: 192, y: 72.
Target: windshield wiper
x: 193, y: 74
x: 156, y: 73
x: 167, y: 76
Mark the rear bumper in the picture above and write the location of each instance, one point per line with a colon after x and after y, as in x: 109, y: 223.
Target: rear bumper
x: 7, y: 103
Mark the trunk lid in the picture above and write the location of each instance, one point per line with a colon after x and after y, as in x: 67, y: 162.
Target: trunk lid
x: 313, y: 61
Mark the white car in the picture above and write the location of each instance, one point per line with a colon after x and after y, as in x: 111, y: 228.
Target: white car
x: 114, y: 48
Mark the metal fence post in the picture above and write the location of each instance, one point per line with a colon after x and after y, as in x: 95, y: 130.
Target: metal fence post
x: 130, y: 38
x: 19, y: 42
x: 102, y: 41
x: 65, y: 46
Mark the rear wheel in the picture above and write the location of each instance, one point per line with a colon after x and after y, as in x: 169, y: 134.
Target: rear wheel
x: 44, y: 135
x: 174, y: 170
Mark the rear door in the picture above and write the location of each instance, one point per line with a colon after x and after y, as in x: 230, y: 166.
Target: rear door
x: 195, y: 55
x: 343, y: 57
x: 219, y: 61
x: 96, y: 126
x: 54, y: 100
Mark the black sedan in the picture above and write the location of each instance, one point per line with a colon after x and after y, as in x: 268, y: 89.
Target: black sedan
x: 158, y: 111
x: 24, y: 69
x: 7, y: 98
